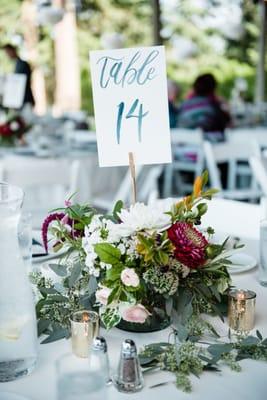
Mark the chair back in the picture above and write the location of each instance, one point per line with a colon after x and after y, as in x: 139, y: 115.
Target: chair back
x: 259, y: 172
x: 228, y: 152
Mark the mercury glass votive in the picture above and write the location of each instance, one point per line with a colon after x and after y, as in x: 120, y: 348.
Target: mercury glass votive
x: 241, y: 310
x: 84, y: 328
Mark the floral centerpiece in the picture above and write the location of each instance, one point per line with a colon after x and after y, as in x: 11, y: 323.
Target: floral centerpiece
x: 138, y: 266
x: 12, y: 128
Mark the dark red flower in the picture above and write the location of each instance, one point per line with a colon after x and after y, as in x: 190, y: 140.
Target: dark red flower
x: 5, y: 130
x: 189, y: 244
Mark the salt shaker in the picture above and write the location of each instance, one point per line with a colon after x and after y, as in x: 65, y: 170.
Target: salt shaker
x: 129, y: 376
x: 98, y: 358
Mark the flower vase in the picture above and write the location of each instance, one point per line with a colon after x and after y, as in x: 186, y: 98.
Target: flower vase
x: 18, y: 336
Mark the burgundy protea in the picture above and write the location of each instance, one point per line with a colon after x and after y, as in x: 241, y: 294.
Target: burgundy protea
x: 189, y: 244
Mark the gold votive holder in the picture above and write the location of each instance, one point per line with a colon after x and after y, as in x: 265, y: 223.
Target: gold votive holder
x: 84, y: 328
x: 241, y: 310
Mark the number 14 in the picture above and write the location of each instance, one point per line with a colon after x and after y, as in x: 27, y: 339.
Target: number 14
x: 140, y: 115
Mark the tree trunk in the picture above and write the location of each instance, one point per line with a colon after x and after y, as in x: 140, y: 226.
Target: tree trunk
x: 261, y: 73
x: 157, y: 39
x: 30, y: 34
x: 68, y: 86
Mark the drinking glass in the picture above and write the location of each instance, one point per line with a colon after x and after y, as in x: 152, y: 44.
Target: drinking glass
x: 25, y: 239
x: 77, y: 380
x: 18, y: 334
x: 263, y: 253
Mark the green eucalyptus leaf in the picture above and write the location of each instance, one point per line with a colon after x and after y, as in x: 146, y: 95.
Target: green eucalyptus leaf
x: 75, y: 274
x: 42, y: 325
x: 57, y: 334
x: 219, y: 349
x: 58, y: 269
x: 250, y: 341
x: 92, y: 285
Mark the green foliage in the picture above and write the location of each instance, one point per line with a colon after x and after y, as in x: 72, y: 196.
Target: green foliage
x: 156, y: 249
x: 108, y: 253
x: 110, y: 317
x: 192, y: 358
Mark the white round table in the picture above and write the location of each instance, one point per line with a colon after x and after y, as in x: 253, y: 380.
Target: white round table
x: 249, y: 384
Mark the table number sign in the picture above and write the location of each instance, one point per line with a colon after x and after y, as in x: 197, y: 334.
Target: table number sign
x: 131, y: 107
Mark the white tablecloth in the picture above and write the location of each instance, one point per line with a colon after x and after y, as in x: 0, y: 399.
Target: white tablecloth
x: 250, y: 384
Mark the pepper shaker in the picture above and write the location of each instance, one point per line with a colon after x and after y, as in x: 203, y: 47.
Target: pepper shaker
x: 129, y: 376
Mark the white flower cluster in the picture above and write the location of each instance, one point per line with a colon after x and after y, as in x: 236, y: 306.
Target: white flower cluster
x: 139, y: 217
x: 102, y: 230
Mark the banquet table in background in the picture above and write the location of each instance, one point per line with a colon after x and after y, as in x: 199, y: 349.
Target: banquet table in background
x: 228, y: 218
x: 48, y: 181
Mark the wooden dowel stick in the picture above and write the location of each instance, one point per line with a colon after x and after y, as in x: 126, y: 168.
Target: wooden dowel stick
x: 132, y: 170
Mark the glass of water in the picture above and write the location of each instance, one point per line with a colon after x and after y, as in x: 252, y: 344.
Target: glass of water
x: 25, y: 239
x: 263, y: 253
x: 76, y: 380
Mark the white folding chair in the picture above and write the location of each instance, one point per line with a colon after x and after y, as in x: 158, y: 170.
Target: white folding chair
x: 46, y: 182
x: 259, y: 172
x: 227, y: 153
x: 107, y: 199
x: 148, y: 183
x: 147, y: 188
x: 184, y: 143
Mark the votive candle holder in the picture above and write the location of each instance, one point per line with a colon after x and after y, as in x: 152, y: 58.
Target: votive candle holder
x: 84, y: 328
x: 241, y: 310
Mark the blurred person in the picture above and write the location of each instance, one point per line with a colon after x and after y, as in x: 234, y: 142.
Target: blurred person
x: 173, y: 93
x: 21, y: 67
x: 203, y: 109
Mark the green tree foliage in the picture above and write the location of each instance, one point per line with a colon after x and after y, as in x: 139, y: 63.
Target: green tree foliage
x: 237, y: 57
x: 133, y: 19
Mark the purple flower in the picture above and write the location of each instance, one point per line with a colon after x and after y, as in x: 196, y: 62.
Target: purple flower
x: 45, y: 226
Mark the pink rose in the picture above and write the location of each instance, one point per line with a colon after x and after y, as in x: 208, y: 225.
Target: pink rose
x: 102, y: 295
x: 137, y: 314
x: 129, y: 277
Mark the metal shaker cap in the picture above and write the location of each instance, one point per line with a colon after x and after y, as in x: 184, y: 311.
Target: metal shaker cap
x: 128, y: 349
x: 100, y: 344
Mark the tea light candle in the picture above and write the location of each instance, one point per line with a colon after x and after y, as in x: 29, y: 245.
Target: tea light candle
x: 84, y: 328
x: 241, y: 310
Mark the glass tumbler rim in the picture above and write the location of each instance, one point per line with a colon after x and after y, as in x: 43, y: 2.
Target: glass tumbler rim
x: 249, y: 293
x: 94, y: 316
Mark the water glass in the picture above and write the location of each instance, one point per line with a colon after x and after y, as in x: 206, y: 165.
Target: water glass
x: 25, y: 239
x: 76, y: 380
x: 263, y: 253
